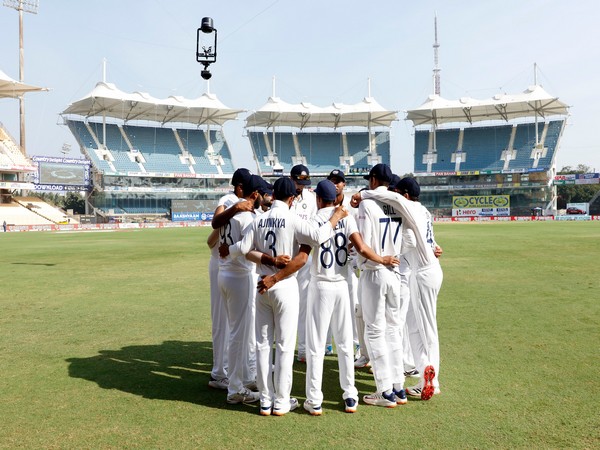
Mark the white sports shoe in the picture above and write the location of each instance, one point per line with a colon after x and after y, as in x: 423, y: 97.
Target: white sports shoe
x: 361, y: 362
x: 381, y: 399
x: 245, y: 396
x: 314, y: 410
x: 223, y: 383
x: 282, y: 412
x: 415, y: 391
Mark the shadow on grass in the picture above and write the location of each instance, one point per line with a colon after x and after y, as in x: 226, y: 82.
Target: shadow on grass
x: 173, y: 370
x: 180, y: 371
x: 34, y: 264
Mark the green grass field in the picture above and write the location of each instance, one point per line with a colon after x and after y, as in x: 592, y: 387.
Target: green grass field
x: 105, y: 343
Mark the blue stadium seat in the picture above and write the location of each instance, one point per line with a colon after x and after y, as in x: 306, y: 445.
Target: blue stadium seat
x: 257, y: 141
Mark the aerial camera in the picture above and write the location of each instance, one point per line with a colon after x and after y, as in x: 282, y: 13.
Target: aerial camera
x: 206, y: 54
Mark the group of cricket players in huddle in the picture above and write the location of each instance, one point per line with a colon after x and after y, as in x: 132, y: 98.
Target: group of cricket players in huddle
x: 294, y: 266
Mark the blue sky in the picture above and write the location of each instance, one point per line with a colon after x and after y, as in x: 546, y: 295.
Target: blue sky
x: 319, y: 52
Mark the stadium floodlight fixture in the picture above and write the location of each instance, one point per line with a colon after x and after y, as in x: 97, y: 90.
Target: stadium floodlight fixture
x: 30, y: 6
x: 206, y: 55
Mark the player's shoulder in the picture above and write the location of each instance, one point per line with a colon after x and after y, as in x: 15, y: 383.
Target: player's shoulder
x: 228, y: 199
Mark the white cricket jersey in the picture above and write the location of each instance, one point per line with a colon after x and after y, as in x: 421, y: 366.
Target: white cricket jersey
x: 227, y: 200
x: 416, y: 217
x: 381, y: 229
x: 231, y: 233
x: 273, y: 233
x: 330, y: 257
x: 305, y: 205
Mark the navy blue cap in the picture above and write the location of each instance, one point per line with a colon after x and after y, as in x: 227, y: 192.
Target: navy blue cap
x: 300, y: 174
x: 337, y: 173
x: 283, y: 188
x: 252, y: 184
x: 326, y: 190
x: 409, y: 186
x: 266, y: 188
x: 394, y: 182
x: 240, y: 176
x: 380, y: 171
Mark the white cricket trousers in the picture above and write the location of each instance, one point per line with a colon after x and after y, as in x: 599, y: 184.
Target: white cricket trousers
x: 276, y: 321
x: 220, y: 328
x: 235, y: 291
x: 424, y: 339
x: 379, y: 295
x: 352, y: 280
x: 328, y: 304
x: 409, y: 360
x: 303, y: 279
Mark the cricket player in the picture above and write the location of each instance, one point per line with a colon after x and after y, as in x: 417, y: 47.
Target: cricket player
x: 428, y: 280
x: 236, y: 279
x: 220, y: 330
x: 361, y: 356
x: 274, y: 233
x: 328, y: 302
x: 304, y: 206
x: 379, y: 293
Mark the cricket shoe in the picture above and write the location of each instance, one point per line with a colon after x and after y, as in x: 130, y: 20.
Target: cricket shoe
x: 301, y: 357
x: 351, y: 405
x: 329, y: 350
x: 314, y: 410
x: 244, y: 396
x: 424, y: 390
x: 266, y: 410
x: 428, y: 388
x: 361, y: 362
x: 415, y: 391
x: 400, y: 397
x: 381, y: 399
x: 223, y: 383
x: 284, y: 411
x: 412, y: 373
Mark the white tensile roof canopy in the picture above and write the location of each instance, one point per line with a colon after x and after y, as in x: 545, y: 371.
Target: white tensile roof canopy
x: 277, y: 112
x: 10, y: 88
x: 106, y: 100
x: 535, y: 101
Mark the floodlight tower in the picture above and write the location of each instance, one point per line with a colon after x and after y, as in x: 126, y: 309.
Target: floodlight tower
x: 436, y: 83
x: 30, y: 6
x: 436, y: 66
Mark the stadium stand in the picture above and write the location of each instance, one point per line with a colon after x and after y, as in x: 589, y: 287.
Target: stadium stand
x: 196, y: 144
x: 159, y: 147
x: 284, y: 149
x: 221, y: 148
x: 486, y: 148
x: 15, y: 214
x: 261, y: 149
x: 320, y: 151
x: 10, y: 150
x: 44, y: 210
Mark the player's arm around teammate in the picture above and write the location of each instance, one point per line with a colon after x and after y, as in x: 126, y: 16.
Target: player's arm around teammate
x: 297, y: 262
